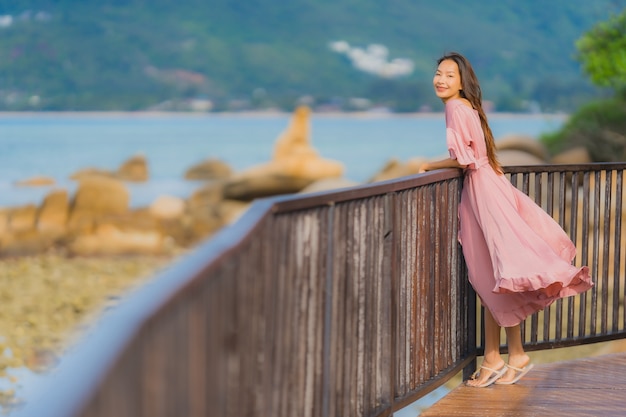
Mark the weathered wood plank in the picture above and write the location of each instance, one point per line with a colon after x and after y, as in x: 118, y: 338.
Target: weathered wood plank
x: 582, y: 387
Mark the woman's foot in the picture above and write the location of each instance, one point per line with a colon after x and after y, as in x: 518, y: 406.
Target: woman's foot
x: 486, y: 375
x: 517, y: 367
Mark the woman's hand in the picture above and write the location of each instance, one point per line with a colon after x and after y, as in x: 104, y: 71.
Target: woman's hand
x: 444, y: 163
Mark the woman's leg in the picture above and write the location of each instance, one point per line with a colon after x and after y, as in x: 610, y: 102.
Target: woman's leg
x: 492, y: 358
x: 517, y: 357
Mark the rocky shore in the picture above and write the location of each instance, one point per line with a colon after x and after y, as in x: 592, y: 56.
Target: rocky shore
x: 48, y: 300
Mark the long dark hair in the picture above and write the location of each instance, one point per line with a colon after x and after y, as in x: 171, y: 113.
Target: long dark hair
x: 472, y: 92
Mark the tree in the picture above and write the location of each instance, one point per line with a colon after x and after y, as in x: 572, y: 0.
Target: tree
x: 602, y: 52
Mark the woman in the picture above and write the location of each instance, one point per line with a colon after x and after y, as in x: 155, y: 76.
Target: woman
x: 519, y: 260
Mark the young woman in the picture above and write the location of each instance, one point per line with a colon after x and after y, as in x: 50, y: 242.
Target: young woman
x: 519, y: 260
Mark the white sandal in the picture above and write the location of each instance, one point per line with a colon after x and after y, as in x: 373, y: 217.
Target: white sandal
x: 519, y: 373
x: 495, y: 375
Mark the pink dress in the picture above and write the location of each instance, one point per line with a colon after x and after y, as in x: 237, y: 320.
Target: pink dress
x: 519, y: 259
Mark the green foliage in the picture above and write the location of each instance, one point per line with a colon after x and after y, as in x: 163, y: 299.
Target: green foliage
x: 602, y: 51
x: 599, y: 126
x: 135, y: 54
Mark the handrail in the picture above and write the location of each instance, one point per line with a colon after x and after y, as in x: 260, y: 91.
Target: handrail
x: 347, y: 302
x: 588, y: 202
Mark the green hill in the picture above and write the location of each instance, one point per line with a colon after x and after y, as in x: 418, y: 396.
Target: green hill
x: 137, y: 54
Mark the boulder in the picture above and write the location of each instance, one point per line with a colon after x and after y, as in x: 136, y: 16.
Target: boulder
x: 134, y: 169
x: 328, y: 184
x: 54, y: 212
x: 516, y: 157
x: 523, y: 143
x: 97, y: 197
x: 295, y: 165
x: 295, y: 140
x: 247, y: 188
x: 230, y: 210
x: 167, y: 207
x: 25, y: 242
x: 22, y: 236
x: 22, y: 218
x: 108, y: 239
x: 395, y: 169
x: 211, y: 169
x: 210, y: 194
x: 307, y: 166
x: 578, y: 155
x: 86, y: 173
x: 294, y: 155
x: 5, y: 215
x: 36, y: 182
x: 133, y: 232
x: 201, y: 222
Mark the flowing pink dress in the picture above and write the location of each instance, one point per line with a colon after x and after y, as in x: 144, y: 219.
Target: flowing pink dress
x: 519, y: 259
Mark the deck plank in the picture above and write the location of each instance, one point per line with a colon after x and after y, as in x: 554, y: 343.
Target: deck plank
x: 583, y: 387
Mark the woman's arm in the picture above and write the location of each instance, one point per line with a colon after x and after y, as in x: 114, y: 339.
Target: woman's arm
x: 444, y: 163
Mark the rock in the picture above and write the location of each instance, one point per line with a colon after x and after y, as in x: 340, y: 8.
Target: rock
x: 295, y: 140
x: 390, y: 170
x: 91, y: 173
x: 167, y: 207
x: 517, y: 157
x: 54, y: 212
x: 395, y: 169
x: 134, y: 169
x: 578, y: 155
x: 97, y: 197
x: 25, y: 242
x: 137, y: 219
x: 36, y: 182
x: 5, y: 214
x: 230, y: 210
x: 295, y: 165
x: 201, y: 222
x: 22, y: 218
x: 308, y: 166
x: 211, y: 169
x: 210, y: 194
x: 328, y: 184
x: 110, y: 240
x: 101, y: 196
x: 293, y: 154
x: 523, y: 143
x: 248, y: 188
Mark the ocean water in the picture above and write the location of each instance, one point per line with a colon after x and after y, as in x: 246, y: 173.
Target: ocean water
x: 59, y: 144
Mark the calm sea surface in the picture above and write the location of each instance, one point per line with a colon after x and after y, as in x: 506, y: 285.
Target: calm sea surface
x: 58, y: 145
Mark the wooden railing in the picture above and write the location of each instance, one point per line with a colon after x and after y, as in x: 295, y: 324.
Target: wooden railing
x: 589, y: 203
x: 352, y: 302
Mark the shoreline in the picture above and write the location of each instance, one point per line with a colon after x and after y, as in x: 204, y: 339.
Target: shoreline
x: 260, y: 114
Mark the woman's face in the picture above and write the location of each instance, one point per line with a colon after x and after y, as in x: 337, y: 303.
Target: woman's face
x: 447, y: 80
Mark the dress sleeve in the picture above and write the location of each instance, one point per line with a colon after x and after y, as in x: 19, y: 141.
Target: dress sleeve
x: 459, y: 138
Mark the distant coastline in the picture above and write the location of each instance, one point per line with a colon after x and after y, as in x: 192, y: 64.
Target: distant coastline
x: 264, y: 114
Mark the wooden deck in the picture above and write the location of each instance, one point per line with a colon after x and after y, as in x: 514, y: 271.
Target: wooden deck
x: 583, y: 387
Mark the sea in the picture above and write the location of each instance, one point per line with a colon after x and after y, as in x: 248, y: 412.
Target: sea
x: 57, y: 145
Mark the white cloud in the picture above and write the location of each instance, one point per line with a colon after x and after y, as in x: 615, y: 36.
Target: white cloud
x: 374, y: 59
x: 6, y: 21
